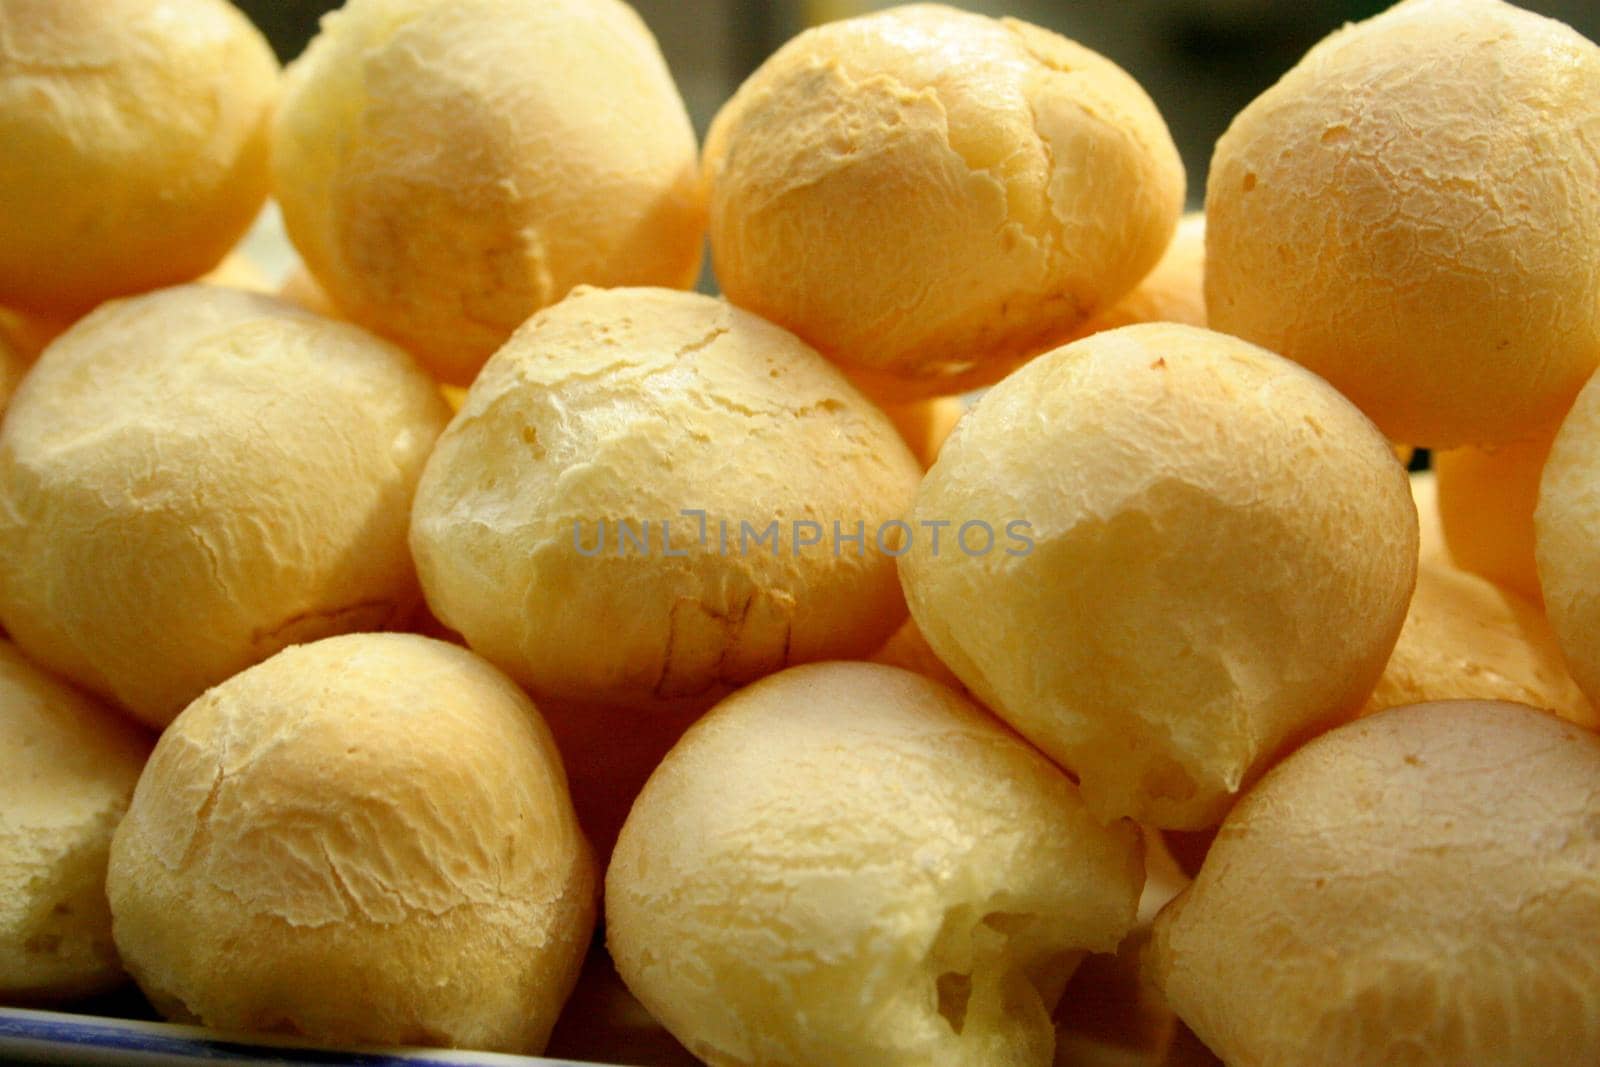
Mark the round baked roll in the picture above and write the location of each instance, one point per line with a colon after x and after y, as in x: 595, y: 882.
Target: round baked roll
x: 847, y: 863
x: 69, y: 768
x: 1165, y: 556
x: 447, y: 169
x: 652, y: 497
x: 1467, y: 639
x: 931, y: 196
x: 1408, y: 889
x: 1400, y: 214
x: 134, y: 140
x: 383, y: 821
x: 194, y: 479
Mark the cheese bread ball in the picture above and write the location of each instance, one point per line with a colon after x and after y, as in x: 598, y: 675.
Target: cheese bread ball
x: 930, y: 196
x: 1416, y: 888
x: 69, y: 769
x: 1566, y: 526
x: 850, y: 864
x: 646, y: 499
x: 1173, y: 291
x: 926, y: 424
x: 1200, y: 554
x: 134, y: 137
x: 1466, y: 638
x: 1486, y: 502
x: 1400, y: 212
x: 365, y: 840
x: 447, y: 169
x: 194, y: 479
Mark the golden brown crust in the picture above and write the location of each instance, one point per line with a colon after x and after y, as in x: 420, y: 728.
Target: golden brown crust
x: 929, y: 196
x: 633, y: 406
x: 1408, y: 889
x: 1401, y: 214
x: 193, y: 479
x: 847, y: 863
x: 137, y: 134
x: 1223, y: 550
x: 446, y: 170
x: 383, y: 820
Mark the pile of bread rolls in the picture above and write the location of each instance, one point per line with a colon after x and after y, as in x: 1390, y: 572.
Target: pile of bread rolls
x: 373, y: 642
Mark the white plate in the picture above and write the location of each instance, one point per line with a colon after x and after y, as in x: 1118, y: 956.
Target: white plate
x: 90, y: 1041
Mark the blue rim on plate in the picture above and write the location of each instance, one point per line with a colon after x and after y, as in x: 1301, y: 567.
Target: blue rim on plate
x: 28, y: 1036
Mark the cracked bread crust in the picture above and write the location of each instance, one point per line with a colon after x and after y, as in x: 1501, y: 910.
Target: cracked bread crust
x: 1410, y: 212
x: 633, y: 405
x: 1224, y: 551
x: 367, y: 839
x: 848, y: 863
x: 194, y: 479
x: 137, y: 136
x: 446, y: 170
x: 71, y: 767
x: 929, y: 196
x: 1406, y: 890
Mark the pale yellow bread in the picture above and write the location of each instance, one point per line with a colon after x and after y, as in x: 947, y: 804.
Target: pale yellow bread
x: 635, y: 407
x: 1409, y: 212
x: 69, y: 768
x: 1412, y: 889
x: 193, y: 479
x: 1222, y: 550
x: 135, y: 140
x: 1466, y: 638
x: 447, y: 169
x: 931, y: 196
x: 847, y: 863
x: 383, y: 820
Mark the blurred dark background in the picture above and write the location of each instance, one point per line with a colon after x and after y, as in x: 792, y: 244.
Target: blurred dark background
x: 1202, y: 60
